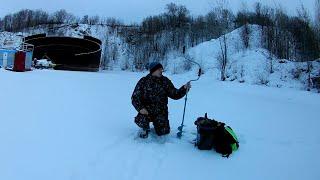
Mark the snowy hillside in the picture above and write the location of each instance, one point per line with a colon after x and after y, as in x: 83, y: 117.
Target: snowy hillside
x: 8, y: 39
x: 252, y: 65
x: 78, y: 125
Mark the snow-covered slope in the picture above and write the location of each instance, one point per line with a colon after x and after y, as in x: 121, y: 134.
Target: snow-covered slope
x: 252, y: 65
x: 9, y: 40
x: 77, y: 125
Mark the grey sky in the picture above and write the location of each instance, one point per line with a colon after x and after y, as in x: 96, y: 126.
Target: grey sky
x: 135, y: 10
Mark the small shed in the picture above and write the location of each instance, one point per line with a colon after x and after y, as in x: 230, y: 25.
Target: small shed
x: 16, y: 60
x: 7, y: 57
x: 20, y: 61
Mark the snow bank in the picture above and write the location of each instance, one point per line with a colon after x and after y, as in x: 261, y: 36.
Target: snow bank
x: 79, y: 125
x: 252, y: 65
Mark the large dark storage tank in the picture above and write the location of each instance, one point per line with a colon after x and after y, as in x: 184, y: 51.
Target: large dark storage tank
x: 67, y: 52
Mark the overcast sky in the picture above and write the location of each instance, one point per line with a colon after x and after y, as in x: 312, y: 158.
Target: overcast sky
x: 136, y: 10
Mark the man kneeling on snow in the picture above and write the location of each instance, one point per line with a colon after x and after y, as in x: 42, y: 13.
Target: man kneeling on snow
x: 150, y: 99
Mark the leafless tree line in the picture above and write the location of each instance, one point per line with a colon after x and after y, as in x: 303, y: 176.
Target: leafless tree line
x: 286, y: 37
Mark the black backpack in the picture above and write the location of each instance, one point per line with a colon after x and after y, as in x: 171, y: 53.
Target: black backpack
x: 215, y: 135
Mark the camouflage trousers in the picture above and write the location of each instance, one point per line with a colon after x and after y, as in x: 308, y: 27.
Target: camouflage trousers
x: 160, y: 123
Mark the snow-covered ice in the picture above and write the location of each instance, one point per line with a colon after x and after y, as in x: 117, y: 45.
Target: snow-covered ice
x: 79, y: 125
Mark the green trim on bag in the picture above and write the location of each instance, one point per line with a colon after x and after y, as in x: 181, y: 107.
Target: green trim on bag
x: 234, y: 145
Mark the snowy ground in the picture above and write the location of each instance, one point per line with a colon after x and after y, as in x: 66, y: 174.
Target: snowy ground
x: 79, y: 126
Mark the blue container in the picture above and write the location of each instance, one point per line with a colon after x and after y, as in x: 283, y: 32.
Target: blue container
x: 28, y: 62
x: 7, y: 57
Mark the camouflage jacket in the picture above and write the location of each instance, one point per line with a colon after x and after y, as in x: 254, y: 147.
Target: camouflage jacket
x: 152, y: 94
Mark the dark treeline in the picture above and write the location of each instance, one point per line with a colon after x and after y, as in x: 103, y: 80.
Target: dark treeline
x: 27, y: 18
x: 30, y: 18
x: 284, y: 36
x: 288, y: 37
x: 175, y: 30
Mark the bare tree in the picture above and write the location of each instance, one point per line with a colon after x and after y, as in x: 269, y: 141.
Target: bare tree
x: 1, y: 25
x: 41, y: 17
x: 85, y: 19
x: 245, y: 35
x: 303, y: 13
x: 94, y: 20
x: 243, y: 17
x: 113, y: 23
x: 317, y: 13
x: 221, y: 4
x: 223, y: 57
x: 309, y: 70
x: 70, y: 18
x: 317, y: 22
x: 59, y: 16
x: 270, y: 58
x: 307, y: 46
x: 224, y: 14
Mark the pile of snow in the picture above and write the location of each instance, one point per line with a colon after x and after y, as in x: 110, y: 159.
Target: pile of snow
x: 79, y: 125
x: 44, y: 63
x: 10, y: 40
x: 206, y: 53
x: 252, y: 65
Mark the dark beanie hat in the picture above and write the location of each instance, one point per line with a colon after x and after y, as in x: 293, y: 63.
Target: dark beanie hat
x: 154, y: 66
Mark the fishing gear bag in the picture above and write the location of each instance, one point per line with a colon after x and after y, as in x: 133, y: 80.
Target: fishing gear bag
x: 215, y: 135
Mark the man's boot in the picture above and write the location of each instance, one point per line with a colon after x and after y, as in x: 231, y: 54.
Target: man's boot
x: 144, y: 133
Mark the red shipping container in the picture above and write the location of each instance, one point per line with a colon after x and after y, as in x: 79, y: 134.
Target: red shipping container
x: 19, y: 61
